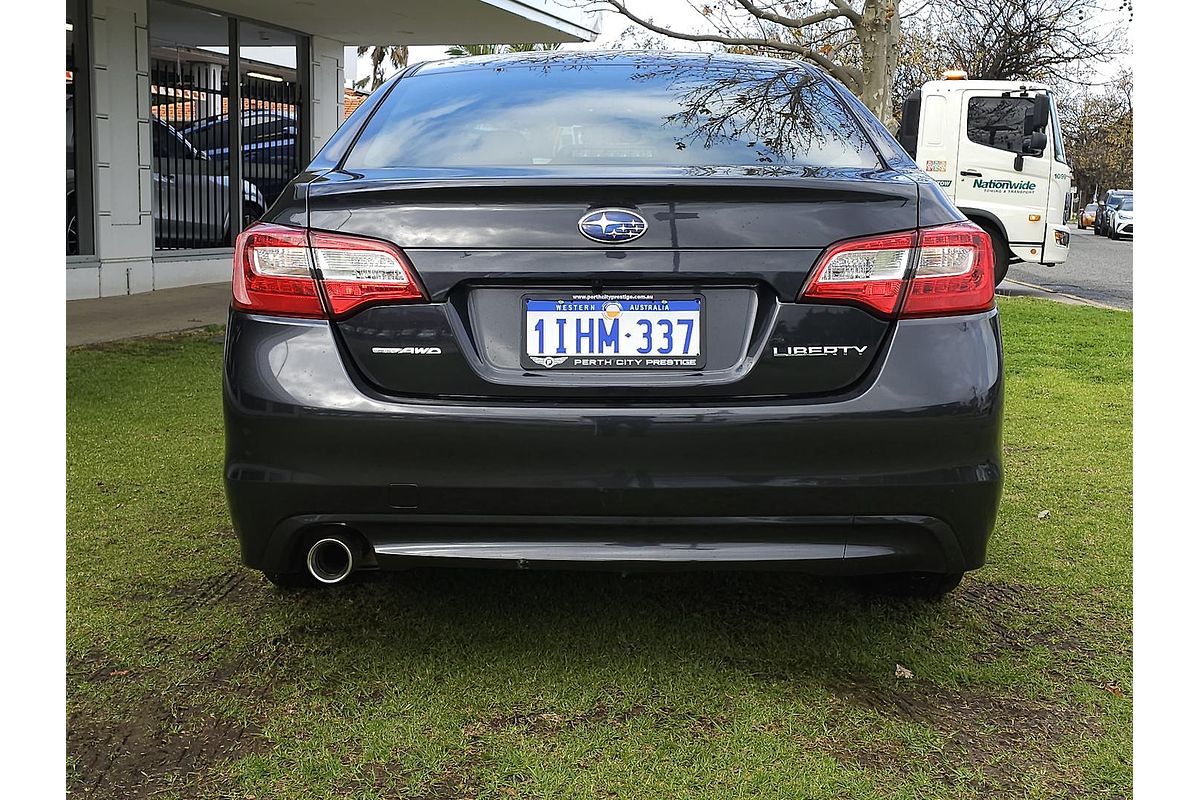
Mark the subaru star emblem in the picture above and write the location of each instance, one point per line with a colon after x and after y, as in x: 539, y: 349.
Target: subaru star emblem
x: 612, y: 225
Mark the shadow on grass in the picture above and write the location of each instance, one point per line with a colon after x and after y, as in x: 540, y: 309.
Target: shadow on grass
x: 767, y: 624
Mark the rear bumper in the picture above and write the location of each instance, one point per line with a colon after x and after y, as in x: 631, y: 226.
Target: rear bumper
x: 903, y: 475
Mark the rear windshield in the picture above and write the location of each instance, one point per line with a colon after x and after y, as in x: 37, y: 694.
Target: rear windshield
x: 632, y: 114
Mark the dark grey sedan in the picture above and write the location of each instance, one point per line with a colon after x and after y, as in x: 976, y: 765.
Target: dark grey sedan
x: 614, y: 309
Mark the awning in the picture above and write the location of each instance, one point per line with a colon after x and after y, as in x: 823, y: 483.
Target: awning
x: 414, y: 22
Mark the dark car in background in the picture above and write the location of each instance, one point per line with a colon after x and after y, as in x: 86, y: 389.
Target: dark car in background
x: 1104, y: 214
x: 620, y: 310
x: 270, y: 157
x: 189, y: 192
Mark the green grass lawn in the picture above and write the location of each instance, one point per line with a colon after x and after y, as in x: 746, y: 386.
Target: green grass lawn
x: 190, y: 676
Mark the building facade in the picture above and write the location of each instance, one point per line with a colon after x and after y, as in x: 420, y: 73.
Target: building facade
x: 158, y: 181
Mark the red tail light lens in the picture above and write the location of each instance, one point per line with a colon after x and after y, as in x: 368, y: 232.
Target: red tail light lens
x: 867, y: 272
x: 952, y: 273
x: 274, y: 269
x: 271, y: 272
x: 356, y: 271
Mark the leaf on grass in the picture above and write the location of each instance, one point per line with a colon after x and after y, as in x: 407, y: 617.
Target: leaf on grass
x: 903, y: 672
x: 1045, y: 512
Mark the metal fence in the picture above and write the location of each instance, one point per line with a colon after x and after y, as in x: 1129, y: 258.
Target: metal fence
x: 190, y: 139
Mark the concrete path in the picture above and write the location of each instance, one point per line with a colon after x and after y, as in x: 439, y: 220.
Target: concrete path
x: 1014, y: 288
x: 108, y: 319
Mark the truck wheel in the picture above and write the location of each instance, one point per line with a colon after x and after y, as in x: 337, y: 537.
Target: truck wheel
x: 1000, y: 254
x: 1001, y: 268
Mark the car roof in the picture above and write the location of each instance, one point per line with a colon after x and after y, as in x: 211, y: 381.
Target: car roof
x: 248, y: 114
x: 595, y: 58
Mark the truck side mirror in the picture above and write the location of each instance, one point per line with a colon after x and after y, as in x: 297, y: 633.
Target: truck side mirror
x: 1038, y: 116
x: 910, y: 120
x: 1034, y: 144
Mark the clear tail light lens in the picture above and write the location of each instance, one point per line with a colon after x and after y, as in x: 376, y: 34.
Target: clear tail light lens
x: 271, y: 272
x: 281, y: 270
x: 356, y: 271
x: 867, y: 272
x: 952, y: 273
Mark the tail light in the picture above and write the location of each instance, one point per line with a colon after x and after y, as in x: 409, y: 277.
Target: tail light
x: 356, y: 271
x: 952, y: 273
x: 281, y: 270
x: 868, y: 272
x: 272, y: 272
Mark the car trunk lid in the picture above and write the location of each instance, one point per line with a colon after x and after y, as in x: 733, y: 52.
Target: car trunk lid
x: 731, y: 248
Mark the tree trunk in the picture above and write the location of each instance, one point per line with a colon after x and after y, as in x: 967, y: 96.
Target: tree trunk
x: 879, y: 37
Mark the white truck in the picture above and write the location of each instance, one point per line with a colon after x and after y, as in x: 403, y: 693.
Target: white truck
x: 995, y: 148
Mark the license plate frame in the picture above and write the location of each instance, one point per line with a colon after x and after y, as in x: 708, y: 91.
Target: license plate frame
x: 635, y: 362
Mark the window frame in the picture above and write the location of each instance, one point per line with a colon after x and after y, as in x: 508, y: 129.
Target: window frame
x: 870, y: 147
x: 1020, y: 130
x: 80, y: 12
x: 234, y: 141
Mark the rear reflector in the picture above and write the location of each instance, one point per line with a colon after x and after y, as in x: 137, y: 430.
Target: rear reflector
x: 952, y: 273
x: 274, y: 268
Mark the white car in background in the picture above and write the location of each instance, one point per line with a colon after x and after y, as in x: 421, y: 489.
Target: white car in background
x: 1122, y: 219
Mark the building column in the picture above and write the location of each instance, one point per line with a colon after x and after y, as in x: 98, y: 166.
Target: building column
x: 207, y: 76
x: 122, y: 149
x: 327, y: 71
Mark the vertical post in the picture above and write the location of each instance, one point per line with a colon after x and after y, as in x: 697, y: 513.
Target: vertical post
x: 234, y: 115
x: 303, y: 101
x: 85, y: 213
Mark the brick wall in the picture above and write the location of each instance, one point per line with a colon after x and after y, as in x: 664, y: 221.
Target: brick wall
x: 351, y: 99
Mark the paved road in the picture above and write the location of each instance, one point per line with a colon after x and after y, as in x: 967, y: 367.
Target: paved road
x: 1098, y: 269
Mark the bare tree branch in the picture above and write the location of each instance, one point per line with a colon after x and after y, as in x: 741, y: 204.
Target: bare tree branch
x: 839, y: 71
x: 848, y: 11
x: 792, y: 22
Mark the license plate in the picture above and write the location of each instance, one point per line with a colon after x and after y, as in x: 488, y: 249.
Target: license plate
x: 613, y: 331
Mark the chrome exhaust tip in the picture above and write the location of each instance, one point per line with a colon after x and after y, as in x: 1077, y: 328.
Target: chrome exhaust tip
x: 330, y: 560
